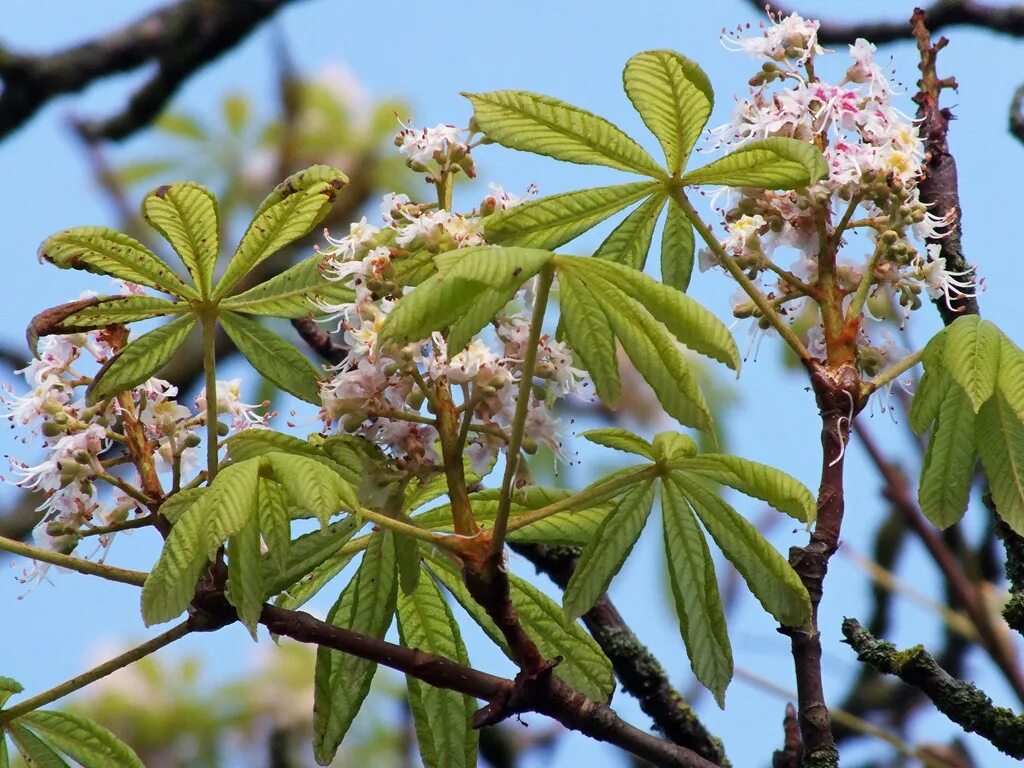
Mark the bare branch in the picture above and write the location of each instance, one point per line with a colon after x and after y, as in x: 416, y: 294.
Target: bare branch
x: 180, y: 39
x: 1006, y: 20
x: 960, y: 701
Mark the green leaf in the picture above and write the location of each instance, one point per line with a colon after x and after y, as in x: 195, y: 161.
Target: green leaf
x: 277, y: 360
x: 620, y: 440
x: 296, y: 292
x: 1011, y: 376
x: 970, y: 354
x: 442, y: 718
x: 407, y: 555
x: 188, y: 218
x: 342, y: 681
x: 590, y: 335
x: 311, y: 485
x: 89, y: 314
x: 414, y: 268
x: 5, y: 761
x: 175, y: 505
x: 221, y: 512
x: 656, y: 356
x: 140, y: 359
x: 671, y: 447
x: 629, y: 242
x: 688, y: 321
x: 770, y: 578
x: 288, y: 213
x: 604, y: 556
x: 37, y: 753
x: 928, y: 399
x: 784, y: 492
x: 949, y: 462
x: 548, y: 126
x: 259, y: 442
x: 584, y: 665
x: 8, y: 687
x: 1000, y: 437
x: 308, y: 557
x: 84, y: 741
x: 773, y: 163
x: 677, y: 246
x: 691, y: 574
x: 105, y: 251
x: 245, y: 574
x: 555, y: 220
x: 464, y: 294
x: 674, y: 98
x: 274, y: 520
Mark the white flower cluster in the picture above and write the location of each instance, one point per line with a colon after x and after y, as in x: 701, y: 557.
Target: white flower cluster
x: 381, y: 393
x: 53, y: 414
x: 874, y: 155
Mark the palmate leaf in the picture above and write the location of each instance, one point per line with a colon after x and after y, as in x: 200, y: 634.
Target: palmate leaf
x: 620, y: 440
x: 677, y: 246
x: 5, y: 761
x: 629, y: 242
x: 311, y: 485
x: 695, y: 592
x: 140, y: 359
x: 277, y: 360
x: 773, y: 163
x: 84, y: 741
x: 342, y: 681
x: 296, y: 206
x: 188, y: 218
x: 674, y: 97
x: 549, y: 126
x: 767, y: 574
x: 1011, y: 376
x: 949, y: 462
x: 1000, y: 438
x: 555, y: 220
x: 9, y: 687
x: 584, y: 665
x: 105, y: 251
x: 221, y: 512
x: 274, y: 521
x: 331, y: 452
x: 670, y: 447
x: 442, y: 718
x: 612, y: 543
x: 296, y: 292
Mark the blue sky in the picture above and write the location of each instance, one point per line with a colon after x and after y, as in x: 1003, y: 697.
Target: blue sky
x: 427, y: 54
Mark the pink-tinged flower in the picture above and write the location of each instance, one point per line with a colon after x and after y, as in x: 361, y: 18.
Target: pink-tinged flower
x: 229, y: 402
x: 427, y: 144
x: 542, y: 427
x: 941, y: 282
x: 408, y: 439
x: 791, y: 37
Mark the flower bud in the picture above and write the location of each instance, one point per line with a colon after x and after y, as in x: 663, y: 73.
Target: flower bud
x: 192, y: 440
x: 222, y: 429
x: 52, y: 429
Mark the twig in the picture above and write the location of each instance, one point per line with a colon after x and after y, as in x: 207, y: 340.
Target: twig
x: 96, y: 673
x: 88, y: 567
x: 960, y: 701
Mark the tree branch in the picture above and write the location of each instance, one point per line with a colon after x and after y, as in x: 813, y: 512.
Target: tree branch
x: 1007, y: 20
x: 641, y: 674
x: 549, y: 697
x: 960, y: 701
x: 180, y: 39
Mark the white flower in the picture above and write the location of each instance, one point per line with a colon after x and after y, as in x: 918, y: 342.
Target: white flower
x: 229, y: 401
x: 792, y: 37
x: 354, y: 243
x: 940, y: 282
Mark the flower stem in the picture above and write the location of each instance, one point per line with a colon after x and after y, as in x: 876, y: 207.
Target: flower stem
x: 127, y: 489
x: 94, y: 674
x: 540, y: 303
x: 400, y: 526
x: 861, y: 296
x: 145, y: 521
x: 88, y: 567
x: 210, y: 371
x: 896, y: 370
x: 760, y: 300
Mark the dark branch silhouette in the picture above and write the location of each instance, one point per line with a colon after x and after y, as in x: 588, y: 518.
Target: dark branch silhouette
x: 179, y: 39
